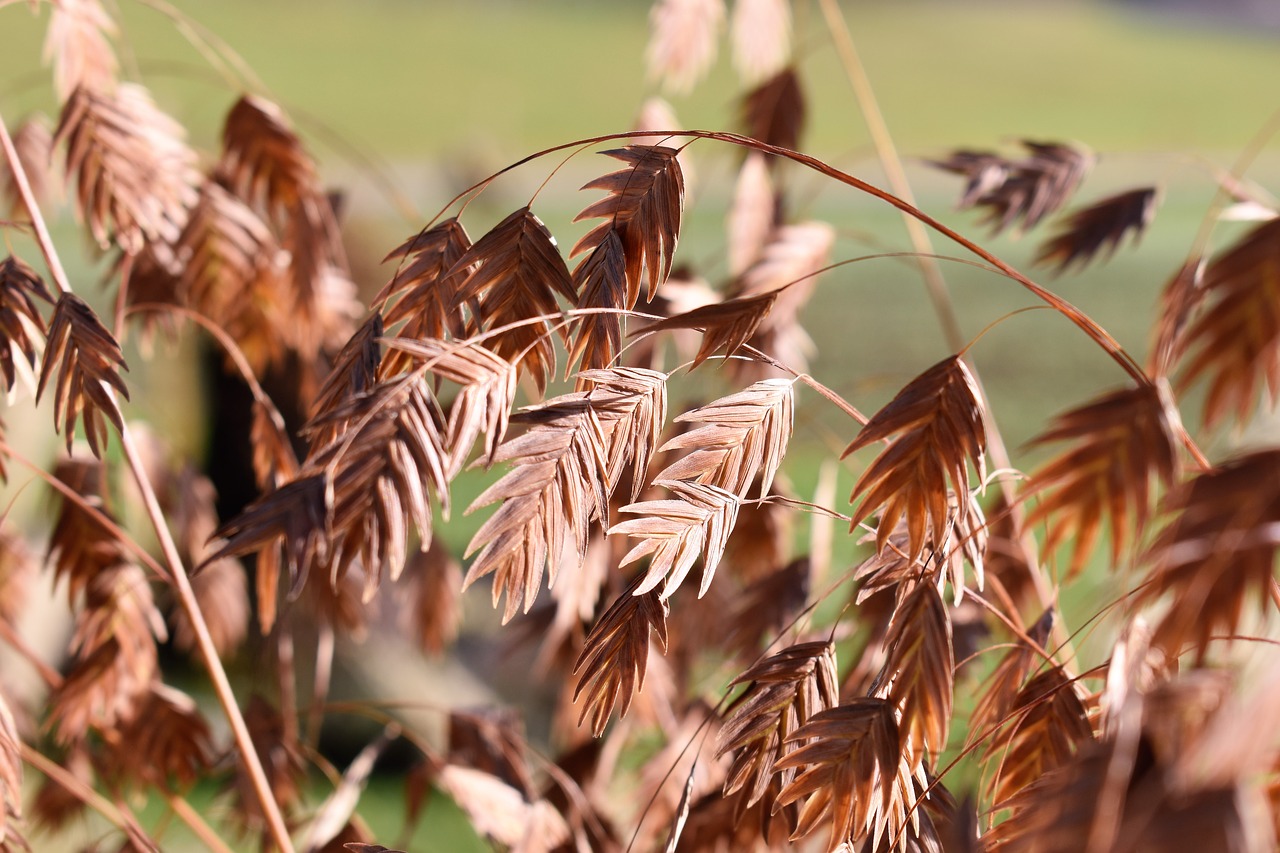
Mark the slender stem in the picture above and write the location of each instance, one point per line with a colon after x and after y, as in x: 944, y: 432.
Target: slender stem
x: 892, y: 165
x: 198, y: 826
x: 931, y: 271
x: 181, y: 583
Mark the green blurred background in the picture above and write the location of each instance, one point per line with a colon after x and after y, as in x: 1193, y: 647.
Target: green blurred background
x: 427, y: 97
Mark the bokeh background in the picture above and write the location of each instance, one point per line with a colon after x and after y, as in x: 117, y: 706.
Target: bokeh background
x: 407, y: 102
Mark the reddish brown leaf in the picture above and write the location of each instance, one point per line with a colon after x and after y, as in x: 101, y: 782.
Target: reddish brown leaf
x: 88, y: 361
x: 426, y: 292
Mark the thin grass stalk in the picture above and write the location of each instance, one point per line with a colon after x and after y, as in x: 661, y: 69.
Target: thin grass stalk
x: 931, y: 272
x: 198, y: 826
x: 182, y: 583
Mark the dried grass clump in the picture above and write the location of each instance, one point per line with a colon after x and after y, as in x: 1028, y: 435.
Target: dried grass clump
x: 931, y: 695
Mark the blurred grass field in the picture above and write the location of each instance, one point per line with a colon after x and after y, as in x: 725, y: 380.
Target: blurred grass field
x: 441, y: 93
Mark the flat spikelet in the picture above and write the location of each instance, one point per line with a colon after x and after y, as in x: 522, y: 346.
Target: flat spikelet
x: 22, y: 327
x: 938, y: 420
x: 1215, y: 558
x: 784, y: 691
x: 88, y: 360
x: 1235, y: 342
x: 566, y: 466
x: 423, y: 289
x: 848, y: 763
x: 515, y: 273
x: 1123, y: 444
x: 674, y: 533
x: 737, y: 439
x: 643, y: 207
x: 1099, y: 227
x: 135, y: 175
x: 614, y: 657
x: 682, y: 41
x: 774, y: 112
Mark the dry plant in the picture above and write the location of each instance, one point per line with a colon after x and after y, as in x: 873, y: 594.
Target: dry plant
x: 928, y: 698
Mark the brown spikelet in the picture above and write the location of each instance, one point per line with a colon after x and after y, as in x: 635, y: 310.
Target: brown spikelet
x: 634, y: 408
x: 1235, y: 342
x: 1048, y: 725
x: 281, y: 759
x: 682, y: 41
x: 290, y: 523
x: 1216, y: 555
x: 10, y: 781
x: 567, y: 465
x: 789, y: 264
x: 849, y: 766
x: 228, y: 255
x: 601, y: 282
x: 761, y: 35
x: 274, y: 461
x: 515, y: 271
x: 21, y: 324
x: 18, y: 568
x: 754, y: 213
x: 33, y: 140
x: 1098, y: 227
x: 80, y: 545
x: 115, y: 655
x: 983, y: 171
x: 78, y: 44
x: 1025, y: 190
x: 221, y: 590
x: 500, y: 813
x: 785, y: 690
x: 386, y: 458
x: 643, y: 207
x: 675, y: 533
x: 1123, y: 442
x: 1003, y: 685
x: 740, y: 440
x: 354, y: 372
x: 263, y: 160
x: 484, y: 403
x: 774, y: 112
x: 88, y: 359
x: 1182, y: 294
x: 725, y: 325
x: 938, y: 420
x: 426, y: 293
x: 434, y: 610
x: 189, y: 500
x: 134, y: 173
x: 548, y: 500
x: 613, y: 659
x: 939, y: 562
x: 920, y: 671
x: 166, y: 744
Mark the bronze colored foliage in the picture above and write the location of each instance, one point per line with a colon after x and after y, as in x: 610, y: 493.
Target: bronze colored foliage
x: 88, y: 360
